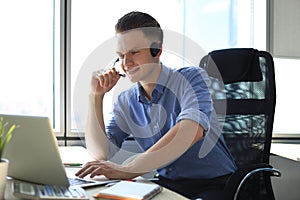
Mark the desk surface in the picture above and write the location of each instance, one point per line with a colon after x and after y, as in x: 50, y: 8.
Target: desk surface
x: 66, y: 154
x: 165, y: 194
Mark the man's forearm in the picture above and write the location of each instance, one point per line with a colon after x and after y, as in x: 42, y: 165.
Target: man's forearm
x: 178, y: 140
x: 95, y: 136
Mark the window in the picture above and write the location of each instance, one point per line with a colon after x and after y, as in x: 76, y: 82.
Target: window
x: 287, y: 103
x: 43, y: 76
x: 29, y: 51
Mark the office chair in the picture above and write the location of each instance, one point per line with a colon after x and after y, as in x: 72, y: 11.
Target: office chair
x: 244, y: 95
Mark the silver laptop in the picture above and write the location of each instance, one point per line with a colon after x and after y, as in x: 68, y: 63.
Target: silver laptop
x: 33, y: 153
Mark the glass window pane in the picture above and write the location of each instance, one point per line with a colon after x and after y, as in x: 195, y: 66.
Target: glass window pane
x: 27, y: 58
x: 287, y: 101
x: 218, y: 24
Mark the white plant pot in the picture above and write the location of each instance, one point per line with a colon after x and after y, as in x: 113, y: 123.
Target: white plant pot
x: 3, y: 169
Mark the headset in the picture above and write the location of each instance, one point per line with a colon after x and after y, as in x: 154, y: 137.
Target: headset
x: 154, y: 49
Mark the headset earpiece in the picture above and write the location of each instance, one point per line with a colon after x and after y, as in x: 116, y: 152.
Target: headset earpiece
x: 154, y: 49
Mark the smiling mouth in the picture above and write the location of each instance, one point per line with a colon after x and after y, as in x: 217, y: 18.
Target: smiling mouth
x: 132, y: 71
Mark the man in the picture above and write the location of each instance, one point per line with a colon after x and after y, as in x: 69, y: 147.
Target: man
x: 169, y: 113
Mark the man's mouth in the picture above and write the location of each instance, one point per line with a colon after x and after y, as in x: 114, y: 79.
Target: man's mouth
x: 132, y: 71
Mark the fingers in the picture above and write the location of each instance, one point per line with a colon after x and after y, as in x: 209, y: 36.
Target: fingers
x: 100, y: 170
x: 87, y: 169
x: 108, y: 169
x: 104, y: 81
x: 108, y: 78
x: 93, y: 168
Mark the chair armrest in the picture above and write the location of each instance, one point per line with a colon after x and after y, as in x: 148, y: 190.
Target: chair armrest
x: 237, y: 179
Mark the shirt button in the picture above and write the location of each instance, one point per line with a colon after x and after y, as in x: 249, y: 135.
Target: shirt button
x: 170, y: 169
x: 156, y: 126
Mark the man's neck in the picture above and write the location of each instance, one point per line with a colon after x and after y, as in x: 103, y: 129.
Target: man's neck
x: 149, y: 85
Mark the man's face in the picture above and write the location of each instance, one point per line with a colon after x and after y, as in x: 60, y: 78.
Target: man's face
x: 134, y: 53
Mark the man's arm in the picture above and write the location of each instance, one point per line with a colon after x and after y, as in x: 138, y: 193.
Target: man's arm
x: 171, y: 146
x: 95, y: 136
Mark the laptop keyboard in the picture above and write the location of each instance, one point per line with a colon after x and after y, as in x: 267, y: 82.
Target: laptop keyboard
x: 78, y: 181
x: 34, y: 191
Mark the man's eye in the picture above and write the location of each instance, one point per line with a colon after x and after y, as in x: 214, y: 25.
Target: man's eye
x: 134, y: 52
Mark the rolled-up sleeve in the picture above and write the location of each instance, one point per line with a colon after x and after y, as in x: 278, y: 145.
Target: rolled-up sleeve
x: 195, y: 98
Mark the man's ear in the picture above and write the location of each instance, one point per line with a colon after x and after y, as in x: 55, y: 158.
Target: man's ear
x: 155, y: 49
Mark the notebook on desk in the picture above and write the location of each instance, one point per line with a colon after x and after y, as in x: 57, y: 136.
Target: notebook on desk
x: 34, y: 156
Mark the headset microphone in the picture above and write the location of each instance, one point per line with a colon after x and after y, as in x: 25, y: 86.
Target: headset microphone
x: 117, y: 60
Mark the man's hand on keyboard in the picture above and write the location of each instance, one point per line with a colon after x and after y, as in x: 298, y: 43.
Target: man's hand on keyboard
x: 109, y: 169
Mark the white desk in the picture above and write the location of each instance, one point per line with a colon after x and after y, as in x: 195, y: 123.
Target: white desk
x: 164, y: 195
x: 72, y: 154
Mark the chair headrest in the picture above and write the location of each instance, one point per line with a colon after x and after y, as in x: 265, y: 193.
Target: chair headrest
x: 234, y: 65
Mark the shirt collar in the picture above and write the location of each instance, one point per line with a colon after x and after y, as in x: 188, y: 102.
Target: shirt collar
x: 160, y: 85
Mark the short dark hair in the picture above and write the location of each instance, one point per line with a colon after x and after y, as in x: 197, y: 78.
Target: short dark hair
x: 135, y: 20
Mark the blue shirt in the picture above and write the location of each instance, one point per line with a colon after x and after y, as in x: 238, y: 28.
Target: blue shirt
x: 178, y: 94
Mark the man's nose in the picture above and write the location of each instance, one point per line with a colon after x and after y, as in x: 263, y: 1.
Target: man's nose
x: 127, y: 60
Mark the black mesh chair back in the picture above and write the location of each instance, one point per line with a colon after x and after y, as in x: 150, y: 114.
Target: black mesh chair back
x: 244, y: 94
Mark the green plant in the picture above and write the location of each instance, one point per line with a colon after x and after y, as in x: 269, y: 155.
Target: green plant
x: 5, y: 134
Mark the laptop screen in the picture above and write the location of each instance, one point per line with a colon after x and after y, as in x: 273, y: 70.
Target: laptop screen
x: 33, y: 151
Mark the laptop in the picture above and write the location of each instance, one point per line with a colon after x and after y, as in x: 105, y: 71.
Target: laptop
x: 34, y: 156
